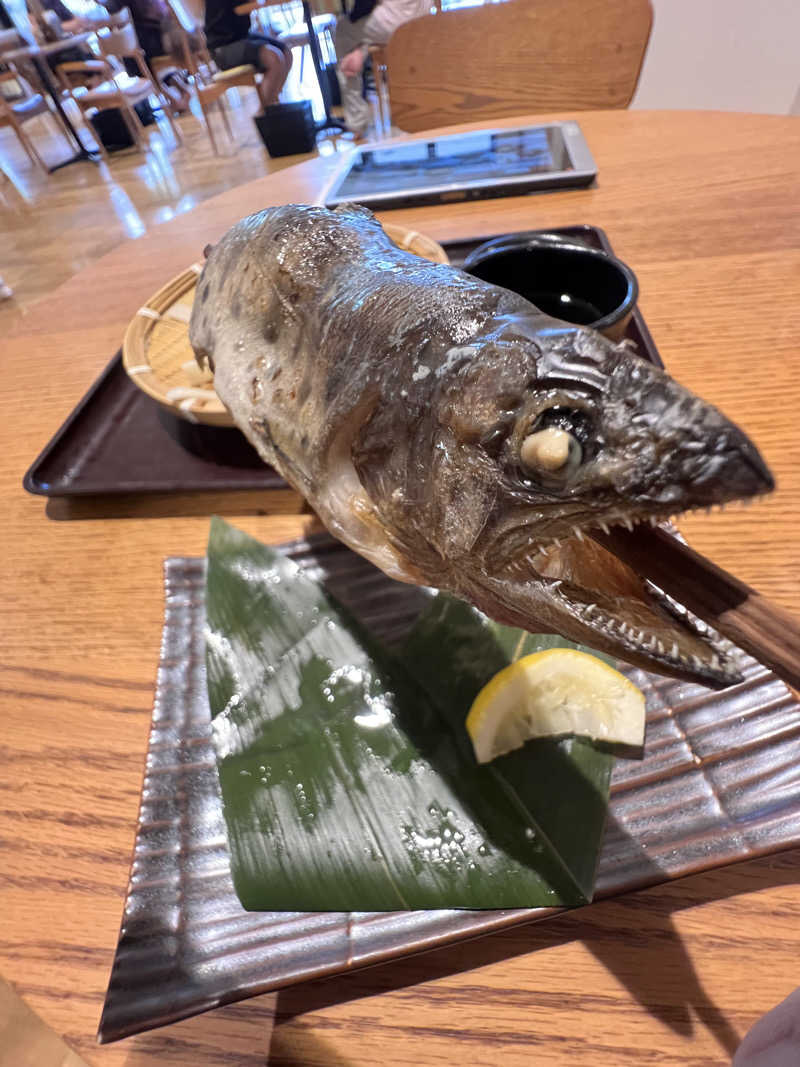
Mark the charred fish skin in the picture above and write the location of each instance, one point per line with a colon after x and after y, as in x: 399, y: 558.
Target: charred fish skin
x: 455, y: 435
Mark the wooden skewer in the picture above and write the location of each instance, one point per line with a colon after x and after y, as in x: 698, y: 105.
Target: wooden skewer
x: 767, y: 632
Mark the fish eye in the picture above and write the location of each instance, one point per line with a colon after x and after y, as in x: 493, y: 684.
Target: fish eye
x: 554, y: 444
x: 576, y: 422
x: 549, y: 451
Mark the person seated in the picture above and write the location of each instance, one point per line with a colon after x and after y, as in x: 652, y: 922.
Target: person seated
x: 233, y: 44
x: 156, y: 30
x: 369, y: 22
x: 66, y: 23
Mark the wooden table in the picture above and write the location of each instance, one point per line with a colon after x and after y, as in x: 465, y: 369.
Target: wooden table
x: 704, y: 207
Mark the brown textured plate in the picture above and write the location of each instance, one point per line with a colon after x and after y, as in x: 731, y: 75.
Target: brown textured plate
x: 720, y: 781
x: 119, y: 440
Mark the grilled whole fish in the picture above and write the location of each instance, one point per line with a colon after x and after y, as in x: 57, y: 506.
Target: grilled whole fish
x: 452, y: 433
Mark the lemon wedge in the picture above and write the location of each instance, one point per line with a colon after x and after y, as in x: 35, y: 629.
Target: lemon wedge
x: 558, y: 691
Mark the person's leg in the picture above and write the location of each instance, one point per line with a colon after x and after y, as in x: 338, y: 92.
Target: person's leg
x: 357, y: 114
x: 274, y: 62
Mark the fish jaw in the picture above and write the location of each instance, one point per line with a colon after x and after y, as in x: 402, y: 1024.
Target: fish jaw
x: 585, y: 593
x: 400, y: 398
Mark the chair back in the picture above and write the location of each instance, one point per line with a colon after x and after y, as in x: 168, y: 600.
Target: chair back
x: 9, y: 39
x: 120, y: 41
x: 13, y: 86
x: 514, y: 58
x: 6, y: 77
x: 189, y: 13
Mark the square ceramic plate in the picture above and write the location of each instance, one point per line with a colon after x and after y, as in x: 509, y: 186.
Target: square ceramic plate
x: 720, y: 781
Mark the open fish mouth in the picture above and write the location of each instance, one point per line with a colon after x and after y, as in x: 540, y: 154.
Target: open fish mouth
x: 458, y: 437
x: 586, y: 591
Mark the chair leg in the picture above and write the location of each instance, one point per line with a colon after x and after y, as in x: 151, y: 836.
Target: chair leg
x: 62, y: 132
x: 166, y: 107
x: 101, y: 148
x: 209, y: 128
x: 380, y: 76
x: 27, y: 144
x: 224, y: 108
x: 383, y: 102
x: 134, y: 125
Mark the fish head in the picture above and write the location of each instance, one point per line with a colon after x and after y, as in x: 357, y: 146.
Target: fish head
x: 600, y: 436
x: 565, y: 436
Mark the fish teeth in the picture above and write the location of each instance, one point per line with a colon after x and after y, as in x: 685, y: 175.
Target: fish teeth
x: 697, y: 662
x: 660, y: 648
x: 628, y: 523
x: 674, y: 652
x: 603, y: 527
x: 578, y: 533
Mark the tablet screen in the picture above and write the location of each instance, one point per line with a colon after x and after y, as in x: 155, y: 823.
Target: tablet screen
x: 462, y: 159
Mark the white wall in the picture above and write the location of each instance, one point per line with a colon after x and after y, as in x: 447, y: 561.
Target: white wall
x: 732, y: 55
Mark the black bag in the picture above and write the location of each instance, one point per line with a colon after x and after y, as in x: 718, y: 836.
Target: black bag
x: 110, y: 127
x: 287, y: 129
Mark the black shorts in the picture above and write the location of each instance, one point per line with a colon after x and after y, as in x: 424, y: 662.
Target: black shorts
x: 244, y: 53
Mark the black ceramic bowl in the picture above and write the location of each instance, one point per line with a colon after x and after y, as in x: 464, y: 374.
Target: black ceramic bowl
x: 566, y: 280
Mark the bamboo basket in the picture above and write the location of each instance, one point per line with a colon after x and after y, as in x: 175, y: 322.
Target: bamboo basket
x: 159, y: 359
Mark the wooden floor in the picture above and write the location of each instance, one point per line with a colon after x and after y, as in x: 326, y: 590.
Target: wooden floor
x: 53, y: 225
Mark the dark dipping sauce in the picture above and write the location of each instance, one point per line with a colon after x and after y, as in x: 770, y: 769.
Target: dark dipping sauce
x: 572, y: 283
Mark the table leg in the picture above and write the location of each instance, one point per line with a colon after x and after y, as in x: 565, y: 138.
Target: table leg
x: 329, y: 122
x: 83, y: 154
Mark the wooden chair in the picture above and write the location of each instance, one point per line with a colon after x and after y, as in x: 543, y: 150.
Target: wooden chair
x: 297, y: 36
x: 15, y: 113
x: 118, y: 90
x: 514, y: 58
x: 208, y: 83
x: 9, y: 39
x: 245, y: 74
x: 207, y: 89
x: 377, y: 55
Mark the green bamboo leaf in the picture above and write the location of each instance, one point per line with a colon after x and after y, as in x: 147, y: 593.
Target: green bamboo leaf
x: 556, y: 782
x: 347, y: 778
